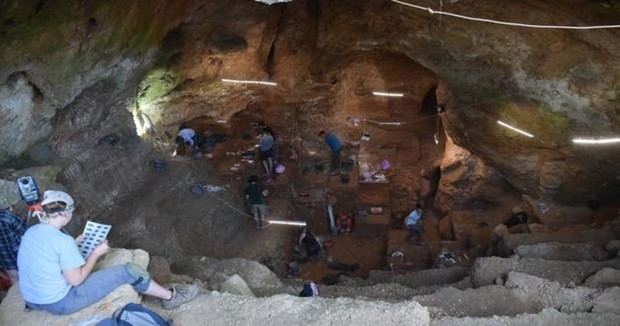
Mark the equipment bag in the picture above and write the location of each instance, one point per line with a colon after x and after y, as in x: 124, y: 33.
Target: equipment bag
x: 134, y: 314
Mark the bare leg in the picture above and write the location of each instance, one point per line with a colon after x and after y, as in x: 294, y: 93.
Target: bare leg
x: 266, y: 166
x: 270, y: 164
x: 158, y: 291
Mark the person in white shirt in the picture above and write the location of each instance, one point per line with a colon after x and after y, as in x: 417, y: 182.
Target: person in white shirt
x: 413, y: 224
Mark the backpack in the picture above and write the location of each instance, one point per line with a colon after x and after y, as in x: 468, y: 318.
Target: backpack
x: 134, y: 314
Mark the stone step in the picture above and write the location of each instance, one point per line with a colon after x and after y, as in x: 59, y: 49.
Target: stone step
x: 215, y: 308
x: 522, y: 293
x: 509, y: 242
x: 437, y: 276
x: 387, y: 290
x: 487, y: 269
x: 547, y: 317
x: 565, y: 251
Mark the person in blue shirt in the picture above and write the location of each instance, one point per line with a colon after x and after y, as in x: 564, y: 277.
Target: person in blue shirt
x: 54, y: 277
x: 413, y: 224
x: 335, y: 147
x: 266, y: 145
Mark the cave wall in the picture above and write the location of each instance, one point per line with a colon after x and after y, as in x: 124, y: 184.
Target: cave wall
x: 53, y: 50
x: 556, y: 84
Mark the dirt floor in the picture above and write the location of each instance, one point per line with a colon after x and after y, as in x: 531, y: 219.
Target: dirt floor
x: 216, y: 224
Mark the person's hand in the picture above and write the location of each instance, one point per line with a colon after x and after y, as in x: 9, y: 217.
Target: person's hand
x: 79, y: 239
x: 101, y: 249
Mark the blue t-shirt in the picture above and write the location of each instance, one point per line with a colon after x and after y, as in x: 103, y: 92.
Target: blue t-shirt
x: 266, y: 142
x: 414, y: 217
x: 188, y: 135
x: 333, y: 142
x: 43, y: 254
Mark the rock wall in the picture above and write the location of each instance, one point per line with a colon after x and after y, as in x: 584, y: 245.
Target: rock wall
x: 54, y: 50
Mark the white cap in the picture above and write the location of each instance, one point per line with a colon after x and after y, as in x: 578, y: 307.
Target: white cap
x: 51, y: 196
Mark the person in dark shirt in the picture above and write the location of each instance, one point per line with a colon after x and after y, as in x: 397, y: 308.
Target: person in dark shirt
x: 308, y: 241
x: 12, y: 227
x: 254, y: 196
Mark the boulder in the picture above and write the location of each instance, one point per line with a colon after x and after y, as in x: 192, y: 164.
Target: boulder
x: 487, y: 269
x: 440, y: 276
x: 511, y: 241
x: 225, y: 309
x: 257, y: 276
x: 564, y: 251
x: 550, y: 294
x: 608, y: 302
x: 9, y: 194
x: 12, y: 309
x: 159, y: 268
x: 606, y: 277
x: 480, y: 302
x: 45, y: 177
x: 236, y: 285
x: 547, y: 317
x: 613, y: 246
x: 537, y: 228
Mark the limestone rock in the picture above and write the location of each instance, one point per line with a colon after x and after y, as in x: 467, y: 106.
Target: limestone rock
x: 45, y: 177
x: 613, y: 246
x: 537, y: 228
x: 12, y: 308
x: 550, y: 294
x: 236, y: 285
x: 9, y: 194
x: 486, y: 269
x: 547, y: 317
x: 608, y: 302
x: 285, y: 310
x: 257, y: 276
x: 159, y: 268
x: 606, y: 277
x: 564, y: 251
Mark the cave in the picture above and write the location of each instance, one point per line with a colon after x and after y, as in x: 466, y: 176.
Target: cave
x: 505, y: 135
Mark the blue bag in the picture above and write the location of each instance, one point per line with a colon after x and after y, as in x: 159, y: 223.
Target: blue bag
x: 134, y: 314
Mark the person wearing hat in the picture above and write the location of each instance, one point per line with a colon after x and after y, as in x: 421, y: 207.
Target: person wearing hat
x: 12, y: 227
x: 54, y: 276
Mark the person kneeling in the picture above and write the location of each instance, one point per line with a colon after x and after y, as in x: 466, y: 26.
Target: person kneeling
x: 55, y: 278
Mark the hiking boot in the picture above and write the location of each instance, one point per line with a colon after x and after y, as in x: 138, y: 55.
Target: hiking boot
x: 180, y: 294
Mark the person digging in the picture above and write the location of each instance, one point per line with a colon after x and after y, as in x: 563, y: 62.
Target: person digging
x: 255, y: 198
x: 413, y: 224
